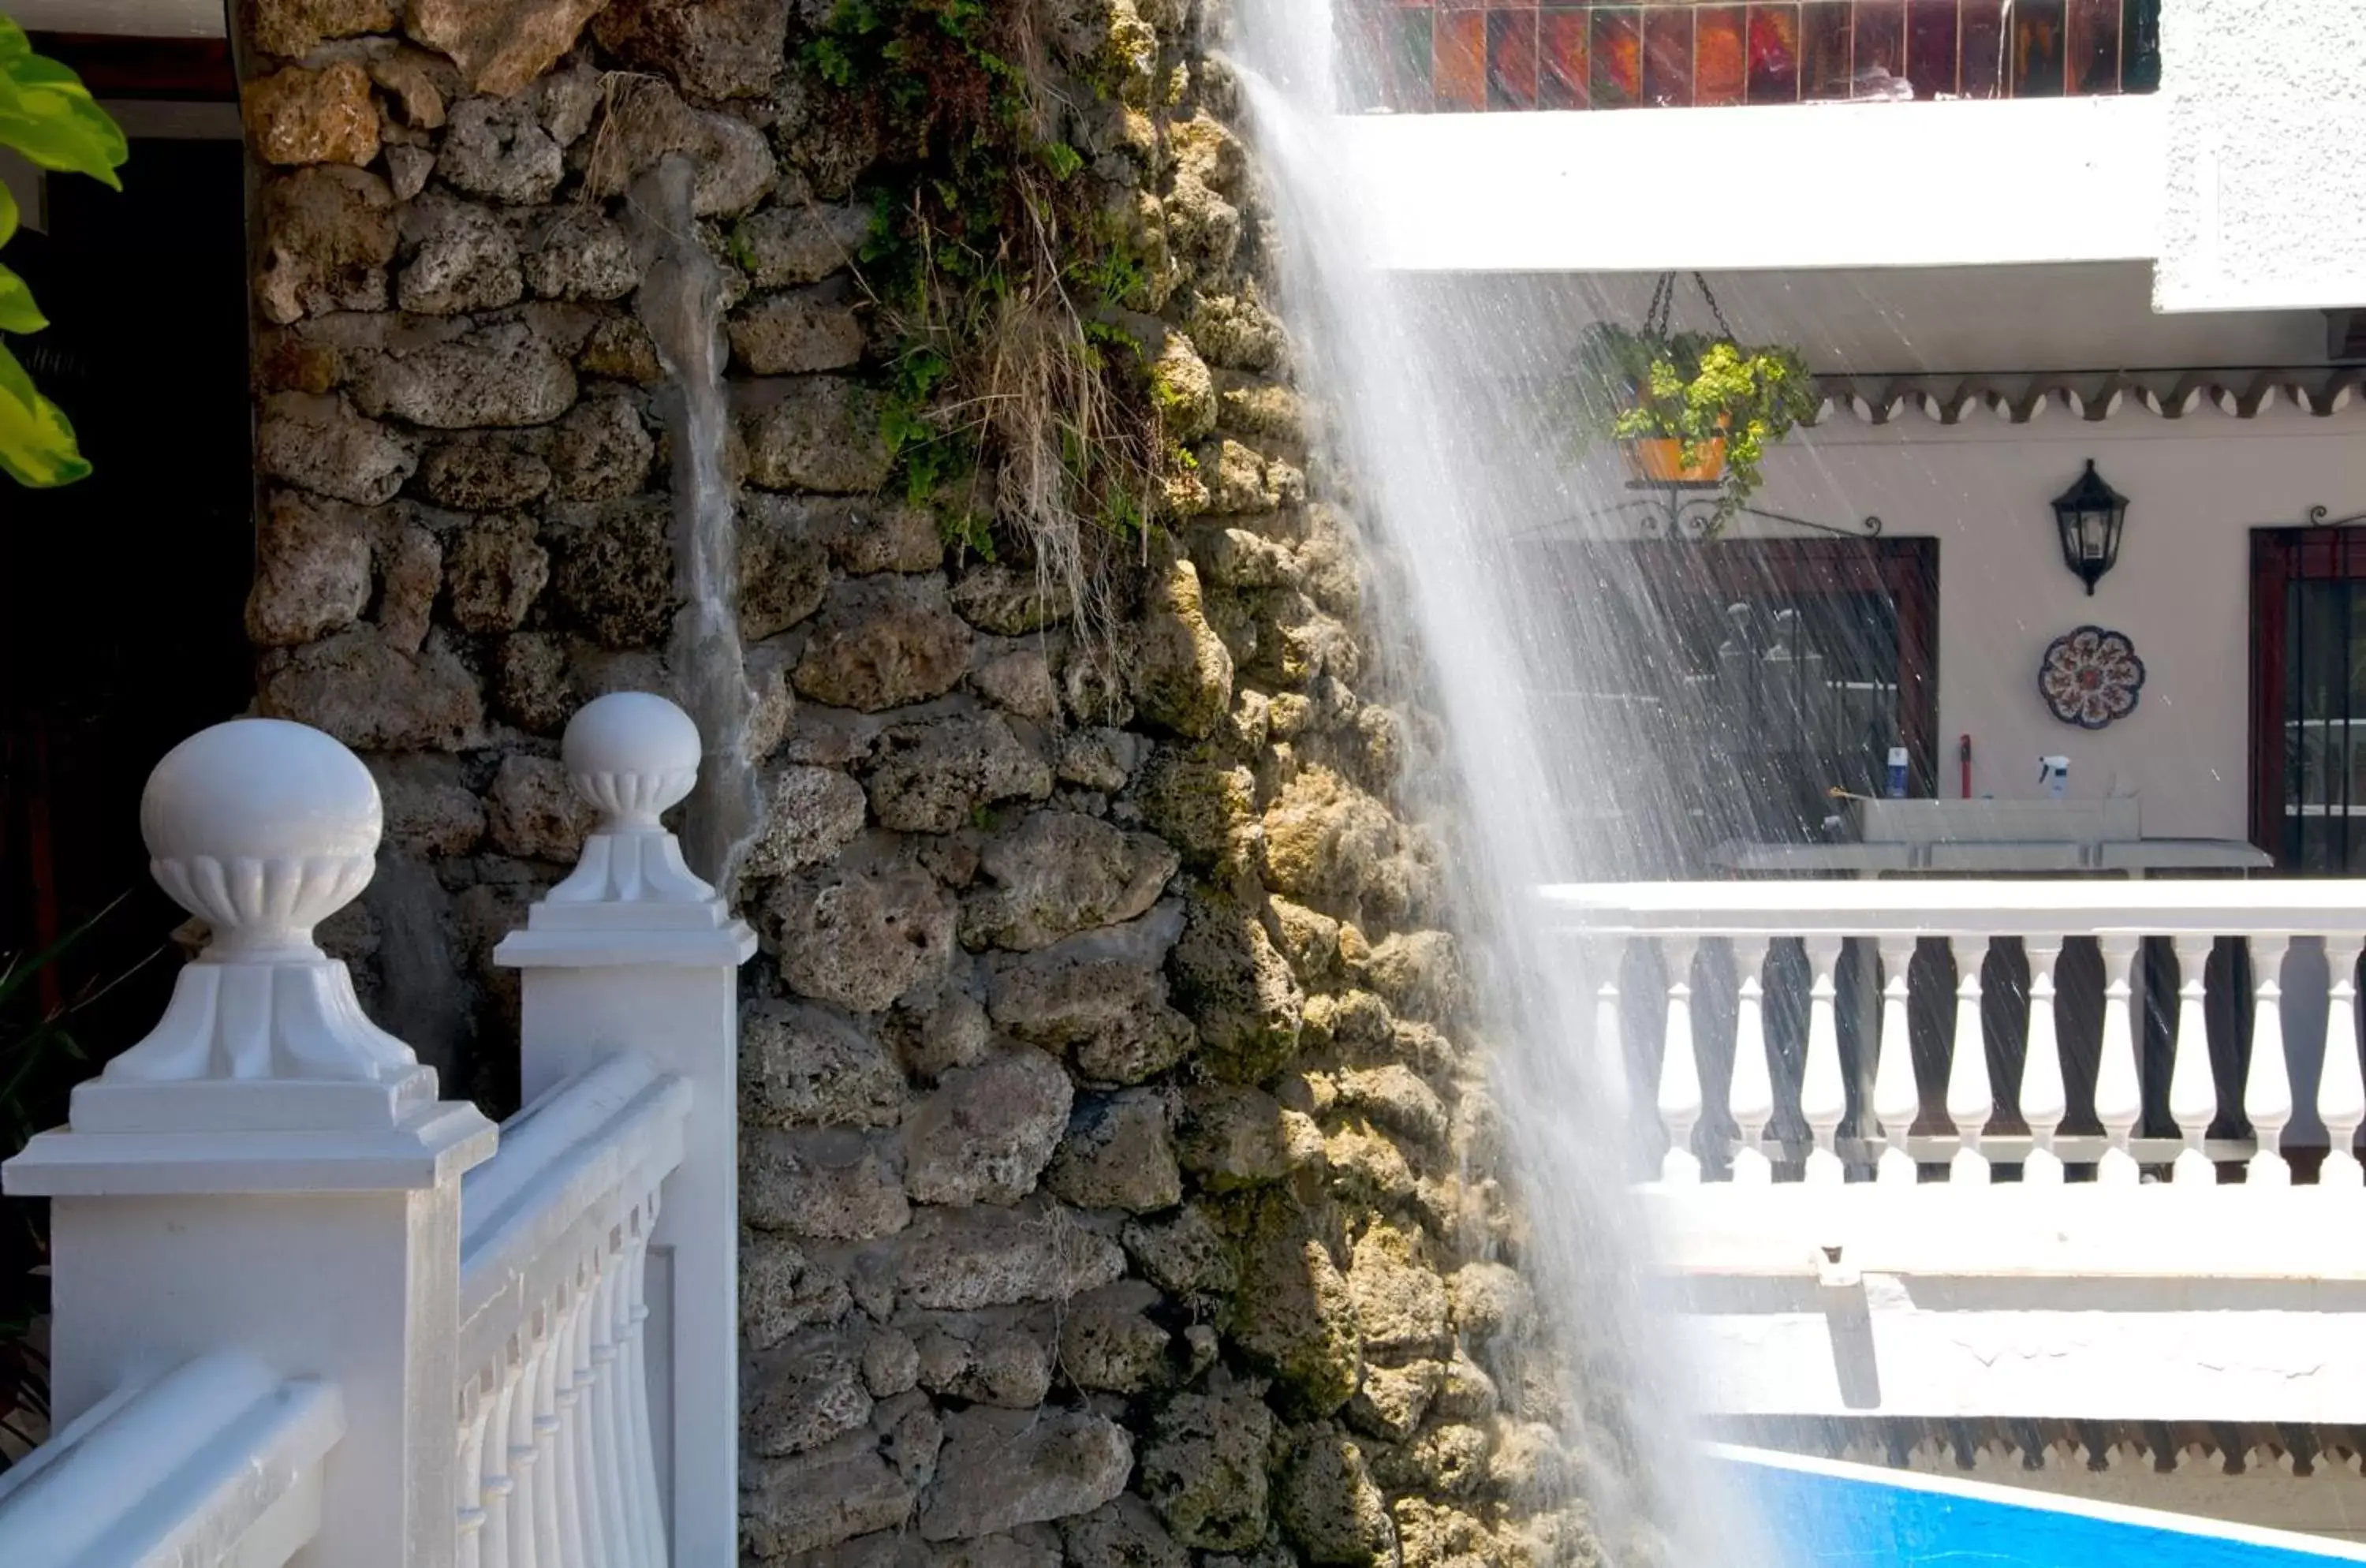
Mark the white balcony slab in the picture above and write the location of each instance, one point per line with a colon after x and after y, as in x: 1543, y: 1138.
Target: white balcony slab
x: 1871, y: 184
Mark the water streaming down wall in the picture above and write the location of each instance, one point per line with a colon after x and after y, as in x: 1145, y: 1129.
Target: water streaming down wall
x: 1445, y: 472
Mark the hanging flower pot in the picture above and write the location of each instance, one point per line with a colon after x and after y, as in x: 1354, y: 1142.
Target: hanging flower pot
x: 1664, y: 397
x: 1660, y: 460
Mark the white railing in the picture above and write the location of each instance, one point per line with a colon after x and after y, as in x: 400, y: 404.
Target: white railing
x: 2002, y: 1234
x: 1731, y: 930
x: 556, y: 1461
x: 218, y: 1461
x: 267, y: 1192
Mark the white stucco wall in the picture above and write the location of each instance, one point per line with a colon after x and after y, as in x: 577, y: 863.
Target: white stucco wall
x: 2182, y: 590
x: 2264, y: 204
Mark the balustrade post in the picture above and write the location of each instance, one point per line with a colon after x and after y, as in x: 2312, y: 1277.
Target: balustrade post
x: 2341, y: 1088
x: 1680, y: 1088
x: 2044, y: 1099
x: 1609, y: 1063
x: 267, y: 1171
x: 1823, y: 1097
x: 2267, y: 1084
x: 632, y: 951
x: 2192, y: 1086
x: 2119, y: 1096
x: 1752, y: 1096
x: 1970, y: 1101
x: 1896, y: 1098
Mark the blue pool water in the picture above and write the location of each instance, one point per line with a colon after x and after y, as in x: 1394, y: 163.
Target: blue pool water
x: 1827, y: 1515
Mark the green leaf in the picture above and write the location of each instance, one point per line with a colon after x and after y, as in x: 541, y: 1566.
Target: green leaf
x: 18, y: 311
x: 37, y: 441
x: 8, y: 214
x: 50, y: 117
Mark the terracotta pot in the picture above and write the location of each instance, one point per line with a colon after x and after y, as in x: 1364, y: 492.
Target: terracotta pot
x: 1660, y: 460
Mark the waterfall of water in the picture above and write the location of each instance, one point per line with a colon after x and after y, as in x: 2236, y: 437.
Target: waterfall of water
x: 1445, y: 467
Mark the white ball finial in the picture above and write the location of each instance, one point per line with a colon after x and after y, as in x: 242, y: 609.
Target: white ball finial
x: 634, y: 755
x: 263, y: 829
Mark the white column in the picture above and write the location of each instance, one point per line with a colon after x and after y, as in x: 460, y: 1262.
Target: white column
x: 1751, y: 1097
x: 1680, y: 1088
x: 2192, y: 1087
x: 1608, y: 1067
x: 2119, y: 1099
x: 2266, y: 1085
x: 634, y: 952
x: 266, y: 1171
x: 1823, y: 1097
x: 2341, y: 1091
x: 1895, y: 1100
x: 1970, y: 1101
x: 2044, y: 1099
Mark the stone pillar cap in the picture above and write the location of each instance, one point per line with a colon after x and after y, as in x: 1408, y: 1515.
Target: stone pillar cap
x: 630, y: 899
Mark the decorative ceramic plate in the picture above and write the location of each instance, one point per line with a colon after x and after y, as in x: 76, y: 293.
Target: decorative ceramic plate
x: 2092, y: 677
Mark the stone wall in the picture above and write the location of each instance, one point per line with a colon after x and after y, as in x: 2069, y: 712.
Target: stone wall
x: 1117, y: 1166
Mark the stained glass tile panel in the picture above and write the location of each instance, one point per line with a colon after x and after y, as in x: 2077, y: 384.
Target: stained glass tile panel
x: 1983, y: 52
x: 2037, y: 49
x: 1616, y: 40
x: 1931, y: 36
x: 1562, y: 46
x: 1719, y: 75
x: 1824, y: 65
x: 1775, y: 52
x: 1668, y: 57
x: 1511, y: 60
x: 2140, y: 45
x: 1461, y: 56
x: 2094, y: 46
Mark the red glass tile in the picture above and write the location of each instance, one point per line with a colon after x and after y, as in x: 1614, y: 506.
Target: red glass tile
x: 1561, y: 44
x: 1931, y: 47
x: 1880, y: 43
x: 1408, y: 66
x: 1615, y: 47
x: 1720, y: 62
x: 1668, y: 57
x: 1460, y: 52
x: 2095, y: 45
x: 1511, y: 60
x: 1983, y: 52
x: 1775, y: 52
x: 2037, y: 51
x: 1824, y: 64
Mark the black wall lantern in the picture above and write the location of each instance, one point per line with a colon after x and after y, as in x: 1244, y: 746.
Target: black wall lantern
x: 2091, y: 515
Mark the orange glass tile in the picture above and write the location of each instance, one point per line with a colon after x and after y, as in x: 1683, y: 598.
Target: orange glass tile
x: 1615, y: 48
x: 1562, y: 59
x: 1720, y: 72
x: 1458, y: 77
x: 1512, y: 59
x: 1775, y: 52
x: 2094, y: 52
x: 1930, y: 37
x: 1983, y: 51
x: 1824, y: 54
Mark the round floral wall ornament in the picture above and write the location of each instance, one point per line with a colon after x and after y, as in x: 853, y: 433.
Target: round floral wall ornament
x: 2092, y: 677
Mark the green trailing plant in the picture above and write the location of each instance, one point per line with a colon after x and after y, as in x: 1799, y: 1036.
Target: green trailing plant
x: 1697, y: 389
x: 49, y: 118
x: 1017, y: 401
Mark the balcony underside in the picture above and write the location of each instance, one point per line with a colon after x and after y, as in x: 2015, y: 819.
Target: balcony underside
x: 2078, y: 1303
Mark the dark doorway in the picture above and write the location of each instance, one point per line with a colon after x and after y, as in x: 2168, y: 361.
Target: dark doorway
x: 121, y: 596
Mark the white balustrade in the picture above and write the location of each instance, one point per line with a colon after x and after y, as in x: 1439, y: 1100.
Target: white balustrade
x: 266, y: 1194
x: 555, y: 1236
x: 216, y: 1464
x: 1685, y: 921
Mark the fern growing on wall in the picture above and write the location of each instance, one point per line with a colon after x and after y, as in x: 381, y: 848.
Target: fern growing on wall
x: 48, y: 117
